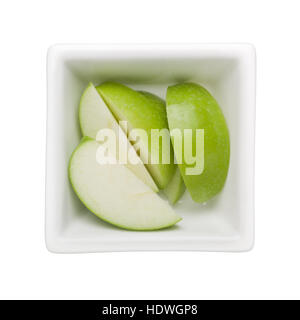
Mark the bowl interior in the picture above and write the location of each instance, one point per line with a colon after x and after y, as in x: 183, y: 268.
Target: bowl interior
x: 219, y: 220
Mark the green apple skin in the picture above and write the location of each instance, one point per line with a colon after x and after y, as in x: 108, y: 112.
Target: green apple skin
x: 190, y: 106
x: 141, y: 111
x: 161, y: 104
x: 175, y: 189
x: 95, y: 115
x: 114, y: 194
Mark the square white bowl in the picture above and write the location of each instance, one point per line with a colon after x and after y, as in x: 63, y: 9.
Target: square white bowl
x: 226, y: 223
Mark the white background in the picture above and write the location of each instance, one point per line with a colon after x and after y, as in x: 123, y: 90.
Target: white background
x: 28, y: 270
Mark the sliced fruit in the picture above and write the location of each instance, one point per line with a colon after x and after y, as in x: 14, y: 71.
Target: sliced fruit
x: 95, y: 115
x: 142, y: 111
x: 190, y: 106
x: 114, y: 194
x: 175, y: 189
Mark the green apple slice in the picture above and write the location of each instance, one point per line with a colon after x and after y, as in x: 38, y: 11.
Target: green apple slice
x: 190, y: 106
x: 114, y: 194
x: 175, y: 189
x: 142, y: 112
x: 95, y: 115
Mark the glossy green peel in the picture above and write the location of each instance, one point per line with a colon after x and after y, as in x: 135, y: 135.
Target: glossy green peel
x: 190, y: 106
x: 141, y: 111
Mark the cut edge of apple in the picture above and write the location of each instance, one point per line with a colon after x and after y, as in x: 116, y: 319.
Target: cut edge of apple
x: 176, y: 188
x: 161, y: 173
x: 162, y: 215
x: 100, y: 109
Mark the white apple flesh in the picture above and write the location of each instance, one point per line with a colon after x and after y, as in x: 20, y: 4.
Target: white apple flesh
x: 95, y: 115
x: 114, y: 194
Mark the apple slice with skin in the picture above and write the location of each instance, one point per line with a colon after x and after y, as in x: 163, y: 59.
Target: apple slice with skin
x: 142, y: 111
x: 175, y: 189
x: 190, y: 106
x: 95, y: 115
x: 114, y: 193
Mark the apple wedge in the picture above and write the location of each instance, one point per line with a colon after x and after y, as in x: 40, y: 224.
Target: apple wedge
x: 95, y: 115
x: 190, y: 106
x: 142, y: 111
x: 175, y: 189
x: 114, y: 193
